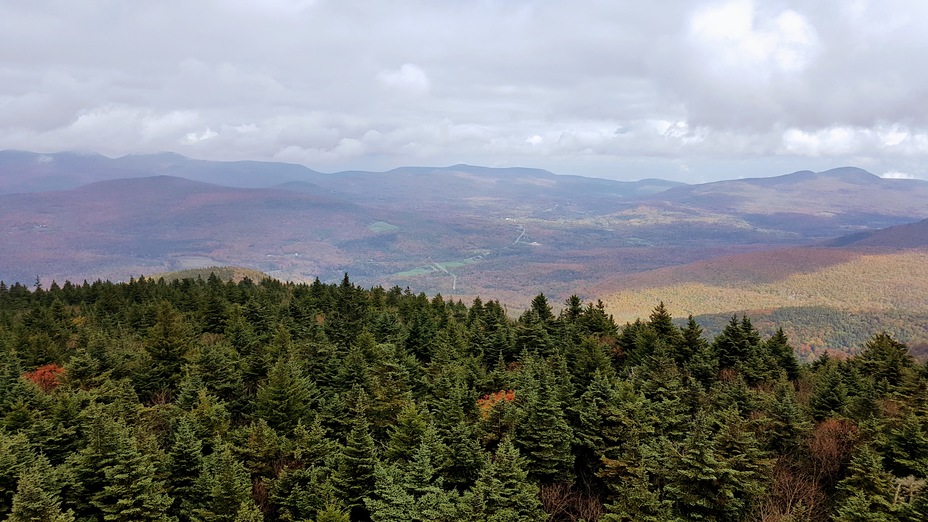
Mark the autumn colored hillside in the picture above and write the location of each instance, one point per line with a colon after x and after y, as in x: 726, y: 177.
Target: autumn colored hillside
x: 812, y: 286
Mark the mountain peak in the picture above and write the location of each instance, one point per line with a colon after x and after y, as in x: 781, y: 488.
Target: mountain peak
x: 851, y: 174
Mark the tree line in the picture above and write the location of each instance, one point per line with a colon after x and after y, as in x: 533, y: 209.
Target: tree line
x: 205, y: 400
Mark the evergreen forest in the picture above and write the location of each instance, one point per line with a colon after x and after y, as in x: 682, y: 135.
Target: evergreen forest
x: 206, y: 400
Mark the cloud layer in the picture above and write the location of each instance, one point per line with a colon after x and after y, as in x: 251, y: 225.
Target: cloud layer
x: 676, y: 89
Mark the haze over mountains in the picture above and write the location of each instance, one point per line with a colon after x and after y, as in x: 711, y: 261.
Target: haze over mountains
x: 461, y: 230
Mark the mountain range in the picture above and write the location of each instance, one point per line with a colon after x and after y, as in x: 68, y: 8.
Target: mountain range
x: 503, y: 233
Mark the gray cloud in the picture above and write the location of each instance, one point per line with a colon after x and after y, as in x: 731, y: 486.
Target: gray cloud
x: 678, y: 89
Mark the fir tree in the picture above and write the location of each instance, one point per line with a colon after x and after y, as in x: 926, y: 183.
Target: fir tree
x: 544, y: 435
x: 830, y: 396
x: 16, y: 456
x: 184, y: 466
x: 287, y: 397
x: 778, y: 347
x: 36, y: 498
x: 390, y: 501
x: 132, y: 490
x: 224, y: 486
x: 885, y: 360
x: 406, y: 434
x: 867, y: 491
x: 354, y: 479
x: 169, y: 341
x: 503, y: 491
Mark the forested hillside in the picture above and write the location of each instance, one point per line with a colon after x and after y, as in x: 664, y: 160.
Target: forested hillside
x: 205, y: 400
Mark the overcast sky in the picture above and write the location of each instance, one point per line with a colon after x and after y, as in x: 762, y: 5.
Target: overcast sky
x: 678, y: 89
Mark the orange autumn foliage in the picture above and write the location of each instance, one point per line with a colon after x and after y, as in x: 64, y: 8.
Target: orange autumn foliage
x: 487, y: 402
x: 47, y: 376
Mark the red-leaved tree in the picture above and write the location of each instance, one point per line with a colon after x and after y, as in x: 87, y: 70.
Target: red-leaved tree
x: 47, y: 376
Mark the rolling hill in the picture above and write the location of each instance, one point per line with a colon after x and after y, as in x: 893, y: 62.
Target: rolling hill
x: 827, y: 297
x: 462, y: 231
x: 22, y: 171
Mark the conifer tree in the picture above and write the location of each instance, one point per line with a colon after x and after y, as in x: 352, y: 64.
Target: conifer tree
x: 885, y: 360
x: 84, y: 477
x: 661, y: 322
x: 532, y: 335
x: 503, y: 491
x: 132, y: 490
x: 867, y: 490
x: 248, y: 512
x: 542, y: 309
x: 259, y: 448
x: 406, y: 434
x: 309, y: 443
x: 778, y: 347
x: 36, y: 498
x: 169, y: 341
x: 701, y: 483
x: 692, y: 339
x: 787, y: 426
x: 830, y: 396
x: 354, y: 478
x: 224, y: 486
x: 736, y: 342
x: 218, y: 368
x: 636, y: 500
x: 287, y: 397
x: 184, y: 466
x: 544, y: 435
x: 16, y: 456
x: 390, y: 501
x: 906, y: 447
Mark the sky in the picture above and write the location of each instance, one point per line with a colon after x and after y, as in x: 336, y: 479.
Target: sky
x: 690, y: 90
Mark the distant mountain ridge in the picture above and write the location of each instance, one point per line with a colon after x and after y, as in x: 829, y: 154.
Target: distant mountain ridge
x: 22, y: 171
x: 461, y: 230
x: 910, y: 235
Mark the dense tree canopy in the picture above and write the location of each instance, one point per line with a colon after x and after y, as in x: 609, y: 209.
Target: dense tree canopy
x: 200, y: 400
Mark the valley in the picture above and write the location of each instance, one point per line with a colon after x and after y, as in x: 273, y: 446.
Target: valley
x: 463, y: 231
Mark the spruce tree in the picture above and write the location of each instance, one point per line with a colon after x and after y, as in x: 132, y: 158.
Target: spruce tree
x: 16, y: 456
x: 463, y: 457
x: 503, y: 491
x: 661, y: 322
x: 701, y: 484
x: 390, y: 500
x: 778, y: 347
x: 224, y: 485
x: 544, y: 435
x: 406, y: 434
x: 885, y: 360
x: 184, y: 466
x: 734, y: 344
x: 637, y: 500
x: 169, y: 340
x: 287, y: 397
x: 36, y: 498
x: 132, y: 490
x: 691, y: 343
x: 829, y: 396
x: 867, y: 491
x: 354, y: 478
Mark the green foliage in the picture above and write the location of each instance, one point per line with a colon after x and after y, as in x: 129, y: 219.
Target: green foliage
x: 354, y: 478
x: 224, y: 486
x: 503, y: 492
x: 36, y: 498
x: 287, y: 397
x: 544, y: 436
x: 205, y: 400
